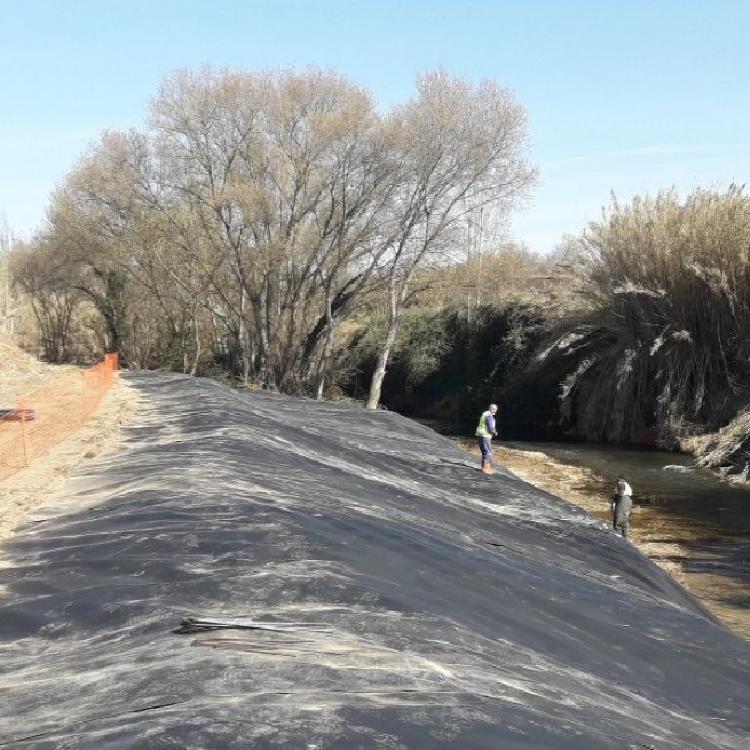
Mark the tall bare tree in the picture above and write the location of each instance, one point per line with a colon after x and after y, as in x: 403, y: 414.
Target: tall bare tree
x: 284, y: 176
x: 7, y: 298
x: 459, y: 147
x: 258, y: 210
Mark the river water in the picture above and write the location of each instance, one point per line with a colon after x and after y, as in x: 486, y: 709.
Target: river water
x: 696, y: 502
x: 688, y: 520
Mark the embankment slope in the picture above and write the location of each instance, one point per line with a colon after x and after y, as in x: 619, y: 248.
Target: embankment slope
x: 425, y: 605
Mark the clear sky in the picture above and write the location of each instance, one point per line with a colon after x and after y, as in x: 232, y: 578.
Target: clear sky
x: 627, y: 97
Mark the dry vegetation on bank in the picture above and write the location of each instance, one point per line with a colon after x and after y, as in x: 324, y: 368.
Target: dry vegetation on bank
x: 664, y: 352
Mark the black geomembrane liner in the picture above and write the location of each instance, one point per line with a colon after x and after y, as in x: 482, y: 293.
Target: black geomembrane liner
x: 250, y: 570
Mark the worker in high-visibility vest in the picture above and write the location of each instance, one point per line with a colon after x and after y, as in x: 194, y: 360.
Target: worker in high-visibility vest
x: 486, y: 430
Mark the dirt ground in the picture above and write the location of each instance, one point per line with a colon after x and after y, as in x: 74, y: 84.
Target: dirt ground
x: 32, y: 486
x: 20, y: 373
x: 657, y: 537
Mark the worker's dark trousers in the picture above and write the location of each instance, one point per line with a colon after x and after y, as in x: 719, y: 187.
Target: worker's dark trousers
x: 485, y: 445
x: 621, y: 515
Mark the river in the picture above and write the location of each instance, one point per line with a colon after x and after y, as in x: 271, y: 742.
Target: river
x: 690, y: 521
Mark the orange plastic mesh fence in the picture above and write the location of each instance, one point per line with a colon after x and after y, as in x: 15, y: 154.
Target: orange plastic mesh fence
x: 48, y: 414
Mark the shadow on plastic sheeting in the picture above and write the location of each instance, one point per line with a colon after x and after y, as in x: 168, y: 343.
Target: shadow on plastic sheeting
x: 256, y: 571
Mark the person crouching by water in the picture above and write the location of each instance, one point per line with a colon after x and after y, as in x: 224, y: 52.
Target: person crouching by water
x: 486, y: 430
x: 622, y: 504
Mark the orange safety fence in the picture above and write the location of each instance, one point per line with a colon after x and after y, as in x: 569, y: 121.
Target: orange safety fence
x: 46, y: 415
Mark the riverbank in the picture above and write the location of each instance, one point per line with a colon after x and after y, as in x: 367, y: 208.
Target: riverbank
x: 265, y: 571
x: 708, y: 559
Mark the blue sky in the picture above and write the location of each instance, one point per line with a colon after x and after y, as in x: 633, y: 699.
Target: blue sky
x: 627, y: 97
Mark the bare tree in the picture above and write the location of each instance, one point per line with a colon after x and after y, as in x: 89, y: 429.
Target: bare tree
x: 38, y: 271
x: 459, y: 147
x: 90, y: 224
x: 7, y: 298
x: 257, y: 211
x: 283, y: 175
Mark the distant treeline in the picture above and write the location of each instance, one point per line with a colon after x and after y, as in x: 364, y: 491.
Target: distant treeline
x: 278, y: 230
x: 258, y: 213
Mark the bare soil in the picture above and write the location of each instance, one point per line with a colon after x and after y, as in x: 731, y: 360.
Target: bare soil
x: 31, y: 487
x: 20, y: 373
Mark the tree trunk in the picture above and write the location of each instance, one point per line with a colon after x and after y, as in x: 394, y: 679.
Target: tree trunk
x: 242, y: 340
x: 323, y: 366
x: 184, y: 348
x: 325, y: 359
x: 113, y: 310
x: 263, y: 355
x: 197, y: 357
x: 385, y: 352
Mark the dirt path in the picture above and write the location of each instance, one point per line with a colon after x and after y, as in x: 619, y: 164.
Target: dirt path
x: 660, y: 538
x: 29, y: 488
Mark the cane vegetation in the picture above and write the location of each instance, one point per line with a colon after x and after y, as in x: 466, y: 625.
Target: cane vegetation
x: 663, y: 351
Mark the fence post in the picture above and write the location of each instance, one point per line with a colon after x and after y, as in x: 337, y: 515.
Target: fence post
x: 21, y: 402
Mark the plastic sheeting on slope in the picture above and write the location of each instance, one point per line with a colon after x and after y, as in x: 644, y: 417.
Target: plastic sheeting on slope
x: 353, y: 582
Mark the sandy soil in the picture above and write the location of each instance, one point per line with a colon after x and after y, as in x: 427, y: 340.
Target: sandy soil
x: 656, y: 536
x: 31, y: 487
x: 20, y: 373
x: 34, y: 485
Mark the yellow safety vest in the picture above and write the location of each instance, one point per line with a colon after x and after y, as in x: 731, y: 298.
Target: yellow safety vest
x: 482, y: 430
